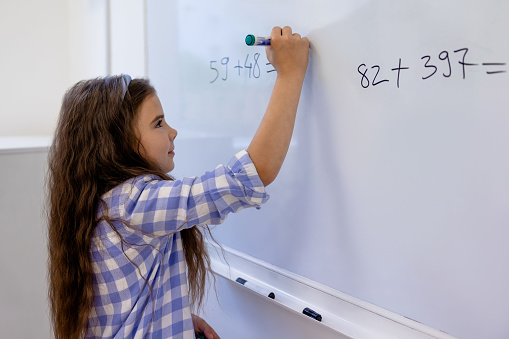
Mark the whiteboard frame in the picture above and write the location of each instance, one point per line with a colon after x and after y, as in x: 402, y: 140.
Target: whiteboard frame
x: 341, y: 312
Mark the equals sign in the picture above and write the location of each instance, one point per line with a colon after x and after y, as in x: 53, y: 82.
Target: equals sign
x: 494, y: 64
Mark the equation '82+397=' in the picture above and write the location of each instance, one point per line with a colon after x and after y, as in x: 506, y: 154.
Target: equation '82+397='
x: 248, y: 67
x: 374, y: 75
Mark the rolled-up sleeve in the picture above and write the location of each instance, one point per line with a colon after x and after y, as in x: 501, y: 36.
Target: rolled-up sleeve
x: 161, y: 207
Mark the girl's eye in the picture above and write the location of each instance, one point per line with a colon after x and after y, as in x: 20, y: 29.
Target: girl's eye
x: 159, y: 123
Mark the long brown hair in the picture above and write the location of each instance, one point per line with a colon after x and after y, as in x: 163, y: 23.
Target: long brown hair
x: 96, y: 148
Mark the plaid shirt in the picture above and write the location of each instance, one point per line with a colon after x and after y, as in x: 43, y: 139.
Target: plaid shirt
x: 140, y: 286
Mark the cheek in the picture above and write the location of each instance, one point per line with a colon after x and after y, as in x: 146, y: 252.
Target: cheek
x: 155, y: 147
x: 159, y: 148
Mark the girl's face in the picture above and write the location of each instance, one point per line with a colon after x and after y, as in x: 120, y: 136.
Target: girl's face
x: 155, y: 135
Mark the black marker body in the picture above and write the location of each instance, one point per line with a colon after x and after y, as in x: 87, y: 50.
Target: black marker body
x: 310, y: 313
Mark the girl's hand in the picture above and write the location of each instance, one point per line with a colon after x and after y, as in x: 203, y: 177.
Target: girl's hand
x: 288, y: 52
x: 201, y: 326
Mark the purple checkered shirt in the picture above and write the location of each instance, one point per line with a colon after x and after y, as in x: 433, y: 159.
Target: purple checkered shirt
x: 155, y: 210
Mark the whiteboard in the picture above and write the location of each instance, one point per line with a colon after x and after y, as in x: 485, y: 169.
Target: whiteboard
x: 395, y: 189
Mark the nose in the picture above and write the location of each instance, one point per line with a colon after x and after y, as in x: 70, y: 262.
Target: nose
x: 173, y: 134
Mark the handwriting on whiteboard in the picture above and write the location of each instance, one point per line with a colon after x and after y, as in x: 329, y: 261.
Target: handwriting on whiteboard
x: 375, y: 75
x: 248, y: 68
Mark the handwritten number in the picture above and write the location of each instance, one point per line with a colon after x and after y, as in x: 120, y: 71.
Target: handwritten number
x: 429, y: 66
x: 364, y: 77
x: 250, y: 65
x: 224, y: 61
x: 462, y: 62
x: 256, y: 66
x: 446, y: 57
x: 215, y: 69
x: 377, y: 71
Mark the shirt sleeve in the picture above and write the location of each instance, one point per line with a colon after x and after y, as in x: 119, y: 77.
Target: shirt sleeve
x: 161, y: 207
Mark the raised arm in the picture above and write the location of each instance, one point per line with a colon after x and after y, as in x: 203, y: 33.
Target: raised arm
x: 289, y: 54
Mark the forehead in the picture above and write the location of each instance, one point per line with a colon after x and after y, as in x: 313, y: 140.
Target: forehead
x: 150, y: 108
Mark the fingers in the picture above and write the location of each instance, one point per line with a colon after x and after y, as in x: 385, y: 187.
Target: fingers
x: 211, y: 334
x: 201, y: 326
x: 276, y: 31
x: 287, y: 31
x: 209, y: 331
x: 284, y: 32
x: 306, y: 41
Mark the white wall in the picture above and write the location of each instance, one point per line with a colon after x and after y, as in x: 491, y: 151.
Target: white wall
x: 46, y: 47
x: 23, y: 287
x: 34, y: 64
x: 88, y: 37
x: 128, y: 52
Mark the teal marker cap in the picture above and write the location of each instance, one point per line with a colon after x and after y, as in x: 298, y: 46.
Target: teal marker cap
x: 250, y: 40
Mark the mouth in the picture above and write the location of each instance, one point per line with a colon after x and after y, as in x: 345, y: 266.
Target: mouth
x: 171, y: 152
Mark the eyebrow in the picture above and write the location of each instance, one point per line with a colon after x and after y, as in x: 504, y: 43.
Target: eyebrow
x: 157, y: 118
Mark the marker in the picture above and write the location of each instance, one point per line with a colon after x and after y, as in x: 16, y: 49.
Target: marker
x: 257, y: 40
x: 200, y: 336
x: 310, y: 313
x: 255, y: 288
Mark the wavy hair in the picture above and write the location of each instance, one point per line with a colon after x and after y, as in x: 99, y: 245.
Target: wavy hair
x: 96, y: 148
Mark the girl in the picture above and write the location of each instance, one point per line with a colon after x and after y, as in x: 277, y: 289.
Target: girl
x: 122, y: 232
